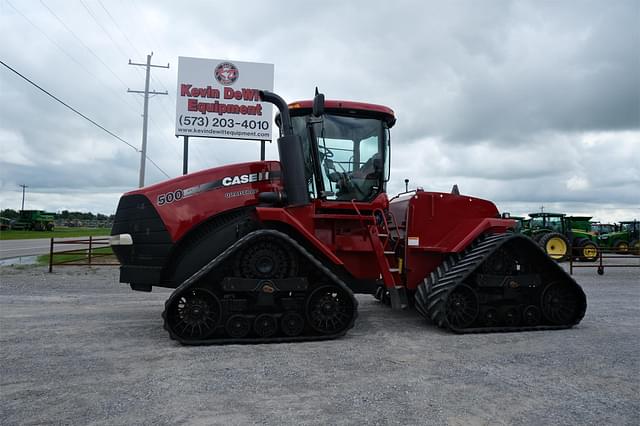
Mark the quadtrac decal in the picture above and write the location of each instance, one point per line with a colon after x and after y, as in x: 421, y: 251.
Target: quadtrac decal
x: 225, y: 182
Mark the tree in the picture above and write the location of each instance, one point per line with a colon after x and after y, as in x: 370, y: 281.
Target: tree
x: 9, y: 213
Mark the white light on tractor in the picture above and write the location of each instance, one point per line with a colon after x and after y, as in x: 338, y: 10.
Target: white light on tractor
x: 121, y: 240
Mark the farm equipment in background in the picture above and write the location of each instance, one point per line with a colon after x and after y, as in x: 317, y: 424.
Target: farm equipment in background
x: 623, y: 238
x: 562, y: 236
x: 273, y: 251
x: 522, y: 223
x: 602, y: 228
x: 34, y: 220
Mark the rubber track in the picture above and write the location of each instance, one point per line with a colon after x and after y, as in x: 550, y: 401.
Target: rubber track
x: 432, y: 294
x: 226, y: 255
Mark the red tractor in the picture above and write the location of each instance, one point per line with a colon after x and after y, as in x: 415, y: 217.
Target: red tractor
x: 273, y: 251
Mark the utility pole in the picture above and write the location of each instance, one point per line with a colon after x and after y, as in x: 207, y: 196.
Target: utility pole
x: 23, y: 187
x: 145, y: 116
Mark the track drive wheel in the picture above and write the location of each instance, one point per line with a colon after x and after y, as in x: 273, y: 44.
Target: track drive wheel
x: 267, y: 258
x: 555, y: 245
x: 194, y: 315
x: 329, y: 309
x: 502, y: 262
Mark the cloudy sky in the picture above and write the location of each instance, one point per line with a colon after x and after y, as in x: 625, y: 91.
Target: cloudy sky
x: 523, y: 103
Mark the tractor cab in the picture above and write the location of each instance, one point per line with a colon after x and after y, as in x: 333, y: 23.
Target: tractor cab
x: 345, y: 146
x: 632, y: 227
x: 548, y: 221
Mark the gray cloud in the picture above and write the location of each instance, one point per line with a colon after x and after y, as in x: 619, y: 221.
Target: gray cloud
x: 519, y: 102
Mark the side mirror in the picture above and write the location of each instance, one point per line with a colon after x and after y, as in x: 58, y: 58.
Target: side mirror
x: 318, y: 104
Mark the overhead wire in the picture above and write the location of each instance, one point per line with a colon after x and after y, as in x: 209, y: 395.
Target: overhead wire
x: 79, y: 113
x: 115, y: 23
x: 135, y: 50
x: 103, y: 28
x: 85, y: 46
x: 115, y: 43
x: 112, y: 91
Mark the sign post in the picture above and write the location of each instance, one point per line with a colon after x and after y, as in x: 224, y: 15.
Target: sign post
x: 220, y: 99
x: 185, y: 156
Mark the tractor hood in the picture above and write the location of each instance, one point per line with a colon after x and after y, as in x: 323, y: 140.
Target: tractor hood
x: 185, y: 201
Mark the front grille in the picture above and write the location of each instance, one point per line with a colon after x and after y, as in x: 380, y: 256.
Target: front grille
x: 151, y: 242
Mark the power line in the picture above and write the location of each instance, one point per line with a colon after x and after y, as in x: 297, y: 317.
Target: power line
x: 83, y: 44
x: 79, y: 113
x: 159, y: 82
x: 119, y: 29
x: 67, y: 54
x: 103, y: 28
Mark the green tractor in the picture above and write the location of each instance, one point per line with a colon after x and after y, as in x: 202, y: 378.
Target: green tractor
x: 583, y: 238
x: 522, y: 224
x: 563, y: 236
x: 602, y: 228
x: 34, y: 220
x: 623, y: 239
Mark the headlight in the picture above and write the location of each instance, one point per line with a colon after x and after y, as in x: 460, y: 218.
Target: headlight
x: 121, y: 240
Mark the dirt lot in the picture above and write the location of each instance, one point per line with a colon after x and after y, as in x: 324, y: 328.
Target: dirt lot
x: 79, y: 348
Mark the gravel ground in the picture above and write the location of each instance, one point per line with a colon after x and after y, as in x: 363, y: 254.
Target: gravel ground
x: 77, y: 347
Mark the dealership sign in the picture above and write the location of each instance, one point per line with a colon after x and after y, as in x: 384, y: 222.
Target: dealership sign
x: 219, y: 99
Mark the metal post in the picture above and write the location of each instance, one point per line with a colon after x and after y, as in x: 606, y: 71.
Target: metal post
x: 262, y: 148
x: 185, y: 156
x: 51, y: 256
x: 90, y: 244
x: 571, y: 265
x: 145, y: 117
x: 23, y: 187
x: 143, y: 151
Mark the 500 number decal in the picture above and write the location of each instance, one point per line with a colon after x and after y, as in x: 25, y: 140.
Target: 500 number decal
x: 170, y: 197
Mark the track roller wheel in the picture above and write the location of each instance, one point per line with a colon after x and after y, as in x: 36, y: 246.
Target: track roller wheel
x: 511, y: 316
x: 194, y: 315
x: 559, y: 304
x: 292, y: 324
x: 462, y: 307
x: 238, y: 326
x: 329, y: 309
x: 490, y: 317
x: 531, y: 315
x: 265, y: 325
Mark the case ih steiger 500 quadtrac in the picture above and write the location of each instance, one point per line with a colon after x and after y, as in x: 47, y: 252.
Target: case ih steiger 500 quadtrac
x: 273, y: 251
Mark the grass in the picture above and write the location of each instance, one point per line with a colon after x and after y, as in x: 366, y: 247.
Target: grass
x: 59, y: 232
x: 105, y: 254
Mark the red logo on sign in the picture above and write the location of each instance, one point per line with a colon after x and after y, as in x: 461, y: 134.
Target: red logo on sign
x: 226, y: 73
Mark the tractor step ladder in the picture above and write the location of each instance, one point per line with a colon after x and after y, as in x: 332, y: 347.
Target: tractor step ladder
x: 386, y: 254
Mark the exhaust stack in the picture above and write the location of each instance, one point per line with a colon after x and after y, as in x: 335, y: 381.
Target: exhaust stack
x: 290, y: 152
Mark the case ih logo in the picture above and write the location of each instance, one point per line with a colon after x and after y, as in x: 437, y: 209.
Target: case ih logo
x: 226, y: 73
